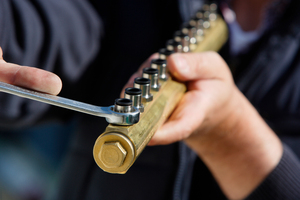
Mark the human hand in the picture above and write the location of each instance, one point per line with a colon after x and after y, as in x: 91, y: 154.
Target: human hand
x: 210, y: 99
x: 29, y: 77
x: 220, y: 125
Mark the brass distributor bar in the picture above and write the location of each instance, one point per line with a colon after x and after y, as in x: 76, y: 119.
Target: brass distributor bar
x: 118, y: 147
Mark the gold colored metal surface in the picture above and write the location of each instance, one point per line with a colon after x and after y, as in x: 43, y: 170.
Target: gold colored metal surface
x: 119, y: 146
x: 214, y: 37
x: 135, y: 138
x: 114, y: 152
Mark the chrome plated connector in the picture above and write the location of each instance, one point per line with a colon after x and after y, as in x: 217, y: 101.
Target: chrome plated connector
x: 135, y: 95
x: 144, y: 85
x: 152, y: 74
x: 161, y: 65
x: 173, y: 45
x: 191, y: 31
x: 164, y: 53
x: 123, y: 105
x: 179, y: 36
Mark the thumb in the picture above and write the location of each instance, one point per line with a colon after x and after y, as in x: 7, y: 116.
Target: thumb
x: 194, y: 66
x: 206, y: 74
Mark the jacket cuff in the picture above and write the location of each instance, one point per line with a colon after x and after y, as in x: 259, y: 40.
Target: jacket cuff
x: 283, y: 182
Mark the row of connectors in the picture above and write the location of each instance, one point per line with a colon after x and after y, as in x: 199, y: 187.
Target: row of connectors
x: 185, y: 40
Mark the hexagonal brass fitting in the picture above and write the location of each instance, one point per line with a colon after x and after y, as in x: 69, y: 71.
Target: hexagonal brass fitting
x: 112, y: 154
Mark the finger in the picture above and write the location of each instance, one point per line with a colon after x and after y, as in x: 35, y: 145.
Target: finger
x: 30, y: 77
x: 139, y: 73
x: 1, y: 54
x: 206, y: 73
x: 193, y: 66
x: 184, y: 120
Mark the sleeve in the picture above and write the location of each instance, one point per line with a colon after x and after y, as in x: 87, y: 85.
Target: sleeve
x: 283, y: 182
x: 55, y: 35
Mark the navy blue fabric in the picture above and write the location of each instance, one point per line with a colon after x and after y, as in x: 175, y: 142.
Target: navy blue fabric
x: 57, y: 35
x: 283, y: 182
x: 269, y: 74
x: 133, y: 30
x: 41, y: 33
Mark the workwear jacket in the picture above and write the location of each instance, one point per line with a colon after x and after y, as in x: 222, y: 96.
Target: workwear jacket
x: 95, y: 46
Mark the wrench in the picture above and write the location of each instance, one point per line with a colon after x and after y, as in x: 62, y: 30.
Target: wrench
x: 111, y: 116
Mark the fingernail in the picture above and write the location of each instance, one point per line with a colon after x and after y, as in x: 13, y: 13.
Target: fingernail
x: 181, y: 64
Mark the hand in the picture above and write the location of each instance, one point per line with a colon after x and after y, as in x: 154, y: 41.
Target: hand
x: 29, y: 77
x: 209, y: 100
x: 220, y: 125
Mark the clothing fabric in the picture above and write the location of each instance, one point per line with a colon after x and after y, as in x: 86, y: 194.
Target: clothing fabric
x: 133, y: 30
x: 283, y: 182
x: 57, y: 35
x: 268, y: 76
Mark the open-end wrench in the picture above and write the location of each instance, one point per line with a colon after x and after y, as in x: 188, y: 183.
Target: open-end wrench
x: 112, y: 116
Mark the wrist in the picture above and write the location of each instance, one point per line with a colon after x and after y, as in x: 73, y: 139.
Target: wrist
x: 226, y: 124
x: 240, y: 150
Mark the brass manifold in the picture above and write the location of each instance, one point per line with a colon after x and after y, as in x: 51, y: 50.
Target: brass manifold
x: 118, y: 147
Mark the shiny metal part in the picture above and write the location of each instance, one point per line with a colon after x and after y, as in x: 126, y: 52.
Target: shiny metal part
x: 152, y: 74
x: 179, y: 36
x: 107, y: 112
x: 203, y: 21
x: 210, y: 12
x: 164, y: 53
x: 161, y: 65
x: 213, y: 7
x: 135, y: 95
x: 214, y: 37
x: 135, y: 138
x: 123, y: 105
x: 213, y: 12
x: 199, y: 14
x: 173, y: 45
x: 213, y: 17
x: 112, y: 154
x: 191, y: 31
x: 206, y: 7
x: 144, y: 85
x: 206, y: 24
x: 198, y: 23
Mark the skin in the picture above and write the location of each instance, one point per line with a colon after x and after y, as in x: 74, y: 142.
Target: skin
x: 29, y: 77
x: 213, y: 118
x: 250, y: 13
x: 225, y: 130
x: 219, y: 124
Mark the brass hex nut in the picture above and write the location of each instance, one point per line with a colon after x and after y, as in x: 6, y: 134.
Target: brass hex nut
x: 112, y: 154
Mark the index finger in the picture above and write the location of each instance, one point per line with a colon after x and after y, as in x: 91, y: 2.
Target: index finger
x: 29, y: 77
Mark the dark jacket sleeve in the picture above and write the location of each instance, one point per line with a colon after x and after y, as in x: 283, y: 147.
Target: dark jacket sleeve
x: 56, y: 35
x: 283, y: 182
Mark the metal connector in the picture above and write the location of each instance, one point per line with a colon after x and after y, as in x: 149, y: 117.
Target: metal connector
x: 152, y: 74
x: 164, y: 53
